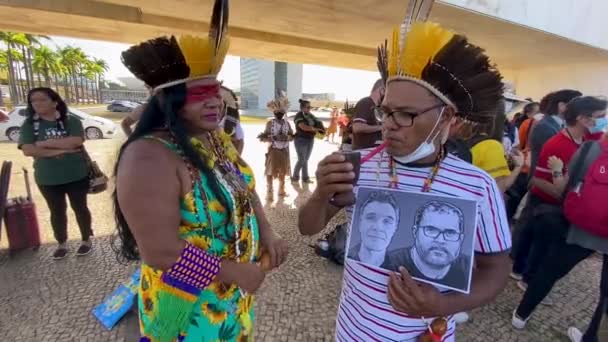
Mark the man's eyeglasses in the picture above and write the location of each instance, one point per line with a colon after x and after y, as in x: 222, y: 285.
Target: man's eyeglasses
x: 402, y: 118
x: 448, y: 234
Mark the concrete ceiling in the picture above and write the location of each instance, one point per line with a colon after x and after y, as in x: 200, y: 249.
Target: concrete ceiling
x: 329, y: 32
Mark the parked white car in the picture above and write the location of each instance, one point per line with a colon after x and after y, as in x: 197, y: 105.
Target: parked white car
x: 95, y: 127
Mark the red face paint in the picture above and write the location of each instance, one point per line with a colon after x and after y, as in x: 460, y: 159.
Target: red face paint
x: 202, y: 93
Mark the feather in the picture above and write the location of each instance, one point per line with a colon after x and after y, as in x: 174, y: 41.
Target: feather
x: 218, y: 27
x: 205, y: 55
x: 394, y: 52
x: 424, y: 10
x: 383, y: 61
x: 424, y: 41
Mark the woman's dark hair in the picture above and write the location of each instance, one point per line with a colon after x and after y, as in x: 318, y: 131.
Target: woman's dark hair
x: 584, y: 105
x: 62, y: 108
x: 158, y: 115
x: 303, y: 103
x: 560, y: 96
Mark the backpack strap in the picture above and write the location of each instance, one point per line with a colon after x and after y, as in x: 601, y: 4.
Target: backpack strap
x: 589, y: 151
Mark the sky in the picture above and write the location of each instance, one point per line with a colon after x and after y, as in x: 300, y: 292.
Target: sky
x: 344, y: 83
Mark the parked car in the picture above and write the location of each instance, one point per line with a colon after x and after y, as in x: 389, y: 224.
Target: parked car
x: 122, y: 106
x: 3, y: 116
x: 95, y: 127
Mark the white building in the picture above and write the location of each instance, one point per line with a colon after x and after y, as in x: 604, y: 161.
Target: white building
x: 262, y: 79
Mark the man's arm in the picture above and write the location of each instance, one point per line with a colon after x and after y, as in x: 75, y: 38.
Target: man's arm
x: 555, y: 189
x: 361, y: 127
x: 126, y: 124
x: 334, y: 175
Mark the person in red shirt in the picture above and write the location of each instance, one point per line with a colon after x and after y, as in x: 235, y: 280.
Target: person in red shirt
x: 550, y: 226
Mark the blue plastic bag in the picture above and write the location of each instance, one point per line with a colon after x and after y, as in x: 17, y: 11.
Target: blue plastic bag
x: 117, y: 304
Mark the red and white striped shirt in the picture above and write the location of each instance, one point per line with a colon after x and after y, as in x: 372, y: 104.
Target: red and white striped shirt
x: 364, y: 313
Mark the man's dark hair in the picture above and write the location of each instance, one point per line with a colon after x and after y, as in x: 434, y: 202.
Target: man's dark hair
x: 560, y: 96
x: 379, y: 83
x: 528, y: 108
x: 544, y: 103
x: 442, y: 208
x: 382, y: 197
x: 585, y: 106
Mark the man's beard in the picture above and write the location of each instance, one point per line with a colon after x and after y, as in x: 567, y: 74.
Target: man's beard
x: 431, y: 260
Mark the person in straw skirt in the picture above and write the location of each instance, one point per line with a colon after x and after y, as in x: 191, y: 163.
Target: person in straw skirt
x: 278, y: 134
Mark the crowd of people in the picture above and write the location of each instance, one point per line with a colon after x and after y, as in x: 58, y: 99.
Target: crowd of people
x: 436, y: 127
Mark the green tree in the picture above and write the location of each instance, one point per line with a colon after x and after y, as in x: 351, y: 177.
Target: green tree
x: 72, y: 58
x: 99, y: 68
x: 46, y: 63
x: 12, y: 40
x: 34, y: 43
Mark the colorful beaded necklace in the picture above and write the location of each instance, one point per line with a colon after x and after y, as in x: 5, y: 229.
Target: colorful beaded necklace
x: 224, y: 163
x: 394, y: 178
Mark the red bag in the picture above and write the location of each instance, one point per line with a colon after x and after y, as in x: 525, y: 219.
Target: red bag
x: 21, y: 221
x: 585, y: 204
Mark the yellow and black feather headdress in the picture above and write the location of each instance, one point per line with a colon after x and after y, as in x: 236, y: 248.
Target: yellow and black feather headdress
x: 445, y: 63
x: 166, y: 61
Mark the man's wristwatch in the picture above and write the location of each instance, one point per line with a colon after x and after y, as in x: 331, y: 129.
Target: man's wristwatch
x: 556, y: 174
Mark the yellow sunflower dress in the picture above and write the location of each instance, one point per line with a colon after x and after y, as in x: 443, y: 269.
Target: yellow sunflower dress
x: 221, y: 312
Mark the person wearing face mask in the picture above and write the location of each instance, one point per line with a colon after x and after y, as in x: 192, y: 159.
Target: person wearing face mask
x: 185, y: 202
x: 230, y: 121
x: 550, y: 225
x: 449, y: 78
x: 307, y: 126
x: 278, y: 134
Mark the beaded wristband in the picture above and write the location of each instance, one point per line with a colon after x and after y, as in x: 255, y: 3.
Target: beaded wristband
x: 193, y: 271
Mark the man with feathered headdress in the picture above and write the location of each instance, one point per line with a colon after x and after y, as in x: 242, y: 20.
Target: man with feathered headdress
x: 433, y: 77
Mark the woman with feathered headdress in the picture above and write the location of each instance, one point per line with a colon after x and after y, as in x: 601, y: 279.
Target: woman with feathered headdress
x: 433, y: 77
x: 277, y: 134
x: 185, y: 202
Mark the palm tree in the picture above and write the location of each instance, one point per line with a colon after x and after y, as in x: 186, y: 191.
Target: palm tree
x: 72, y: 58
x: 34, y: 42
x: 12, y: 40
x: 99, y: 68
x: 3, y: 68
x: 45, y: 63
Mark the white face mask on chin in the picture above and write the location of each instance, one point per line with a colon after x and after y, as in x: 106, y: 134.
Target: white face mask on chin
x: 427, y: 147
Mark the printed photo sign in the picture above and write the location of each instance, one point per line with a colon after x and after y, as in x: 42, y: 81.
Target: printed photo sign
x: 432, y: 236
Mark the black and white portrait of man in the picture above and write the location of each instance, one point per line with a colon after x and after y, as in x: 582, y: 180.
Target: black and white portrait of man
x: 438, y: 232
x: 431, y: 235
x: 378, y: 219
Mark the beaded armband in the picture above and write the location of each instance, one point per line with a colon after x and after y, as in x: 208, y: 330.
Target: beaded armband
x: 193, y: 271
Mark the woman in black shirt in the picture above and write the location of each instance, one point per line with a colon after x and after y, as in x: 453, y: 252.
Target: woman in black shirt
x: 307, y: 125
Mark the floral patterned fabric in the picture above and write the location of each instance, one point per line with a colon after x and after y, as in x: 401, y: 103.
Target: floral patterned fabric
x: 222, y: 312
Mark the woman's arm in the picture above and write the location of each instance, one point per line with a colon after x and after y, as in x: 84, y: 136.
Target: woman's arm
x: 67, y: 143
x: 153, y: 212
x: 31, y: 150
x: 306, y: 128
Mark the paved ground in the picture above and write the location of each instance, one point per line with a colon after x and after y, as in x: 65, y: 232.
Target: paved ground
x: 42, y: 300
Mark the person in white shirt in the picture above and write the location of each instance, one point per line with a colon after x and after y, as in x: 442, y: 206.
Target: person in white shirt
x: 450, y: 78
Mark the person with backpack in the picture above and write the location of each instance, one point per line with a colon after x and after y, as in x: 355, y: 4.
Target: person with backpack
x: 554, y: 253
